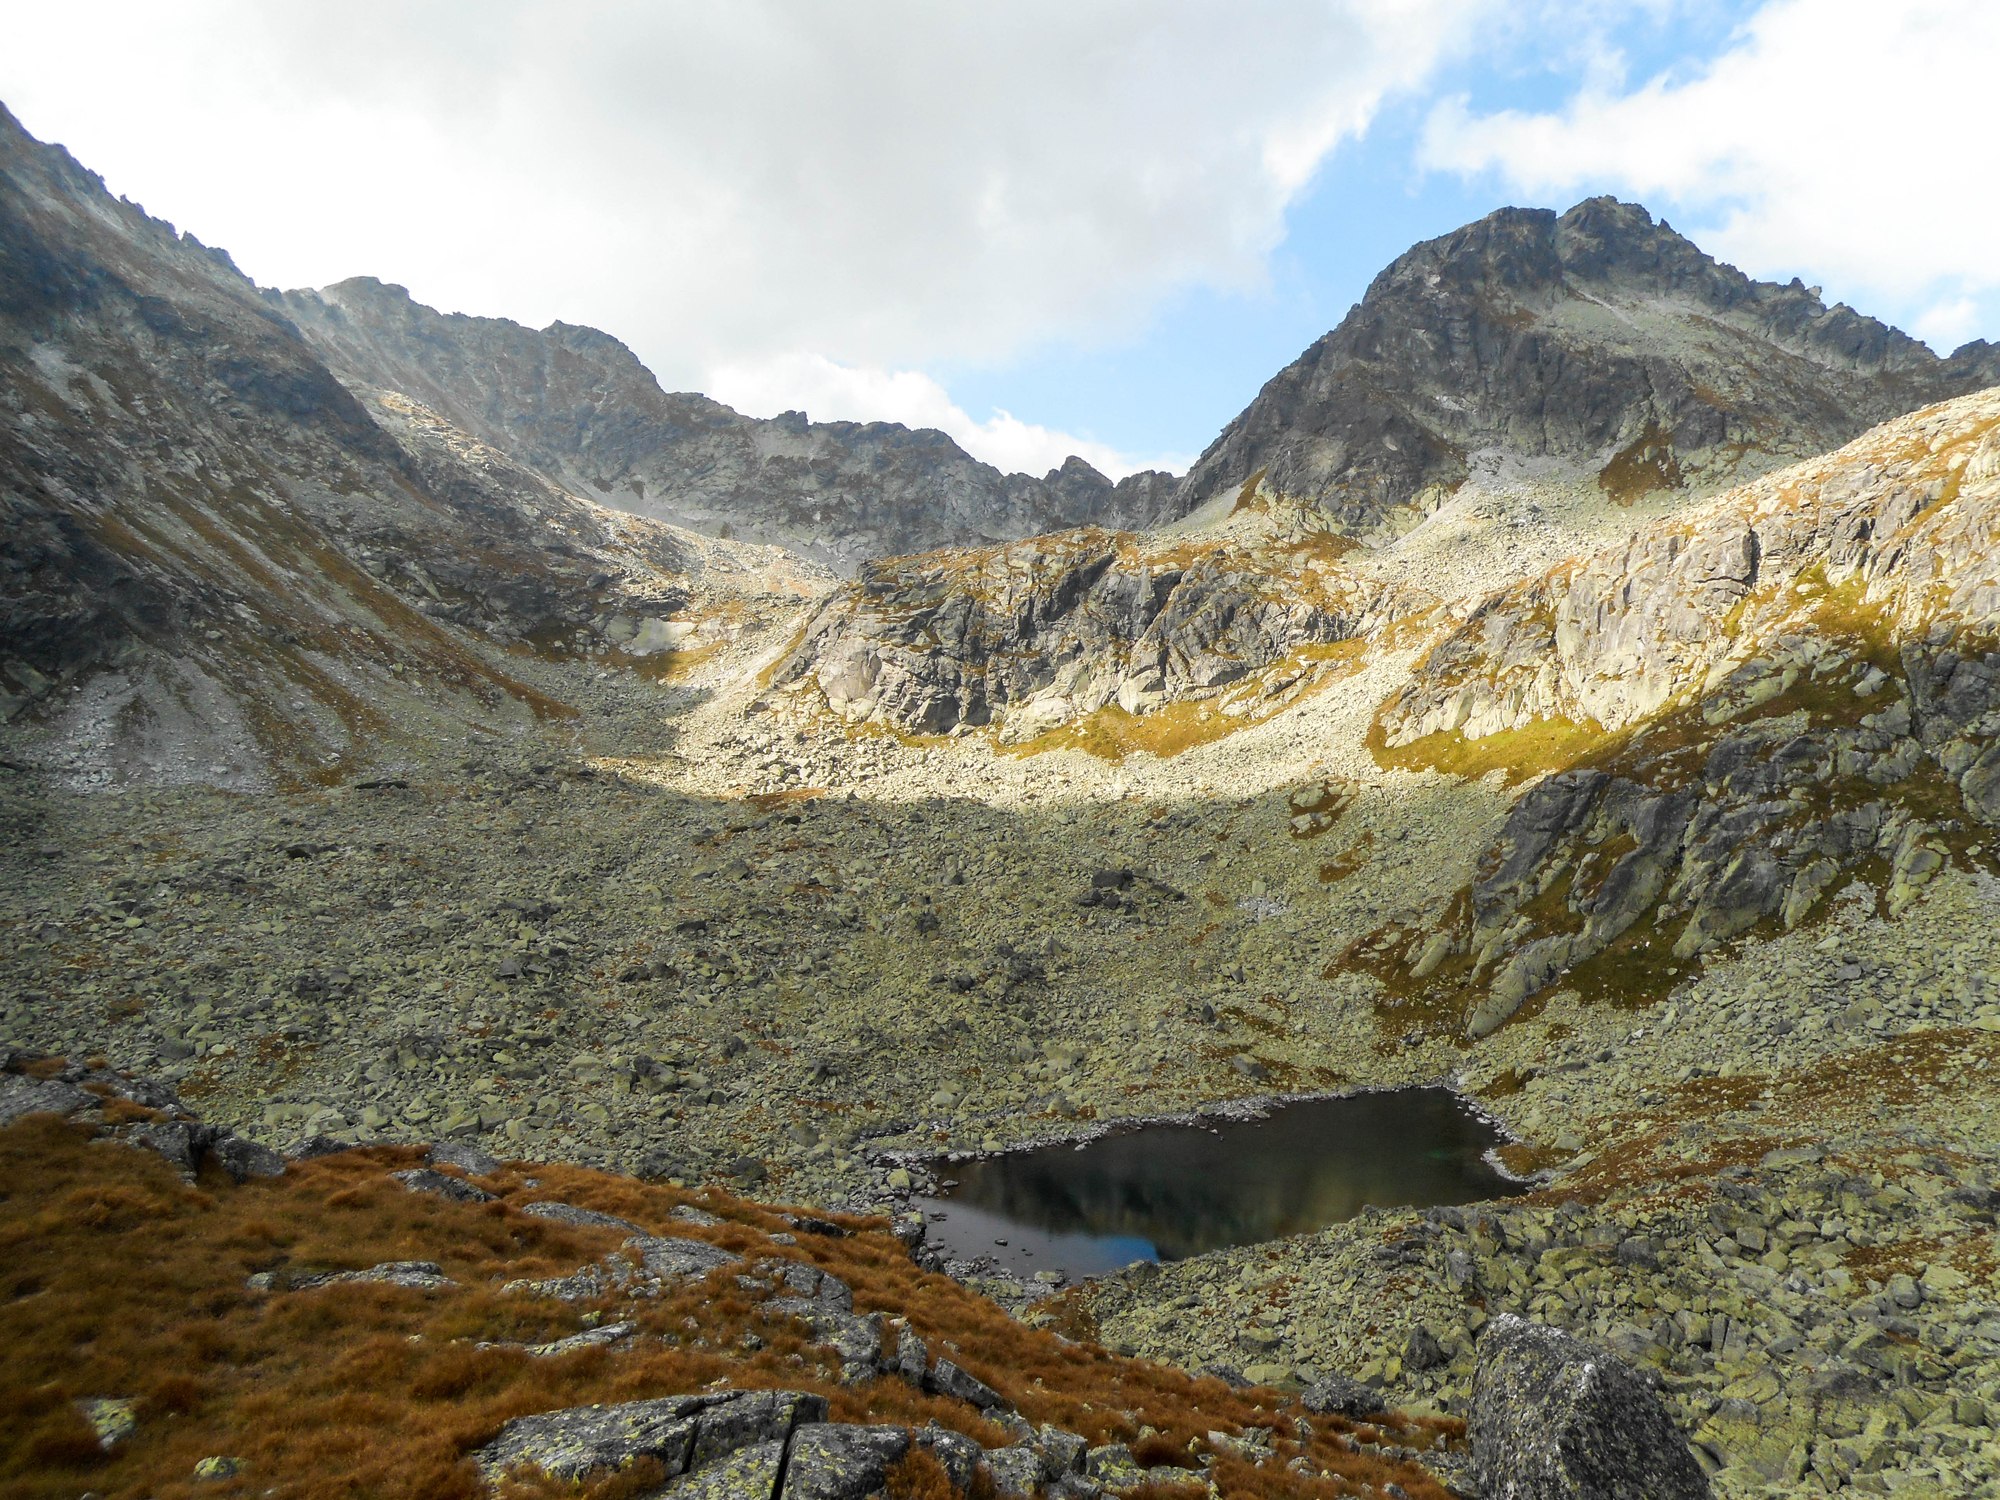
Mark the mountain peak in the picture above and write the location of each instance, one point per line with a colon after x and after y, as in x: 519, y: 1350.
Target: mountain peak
x: 1580, y: 338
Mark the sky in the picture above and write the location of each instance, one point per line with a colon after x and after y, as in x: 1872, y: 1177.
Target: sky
x: 1046, y: 228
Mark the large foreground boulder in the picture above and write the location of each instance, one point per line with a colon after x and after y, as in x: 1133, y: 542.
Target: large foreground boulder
x: 1554, y: 1418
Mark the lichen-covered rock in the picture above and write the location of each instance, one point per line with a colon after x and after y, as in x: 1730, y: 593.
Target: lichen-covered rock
x: 1556, y: 1419
x: 583, y: 1218
x: 841, y: 1461
x: 21, y: 1096
x: 748, y: 1474
x: 1033, y: 635
x: 958, y: 1455
x: 680, y: 1433
x: 468, y: 1159
x: 947, y: 1379
x: 669, y: 1255
x: 441, y: 1185
x: 1017, y: 1472
x: 243, y: 1159
x: 1337, y: 1395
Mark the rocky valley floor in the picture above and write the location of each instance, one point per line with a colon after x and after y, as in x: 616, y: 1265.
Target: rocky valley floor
x: 711, y: 936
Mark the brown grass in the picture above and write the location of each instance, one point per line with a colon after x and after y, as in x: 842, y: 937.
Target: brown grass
x: 122, y: 1281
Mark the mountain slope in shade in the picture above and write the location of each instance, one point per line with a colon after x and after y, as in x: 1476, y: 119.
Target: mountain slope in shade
x: 219, y: 563
x: 579, y: 408
x: 1598, y: 338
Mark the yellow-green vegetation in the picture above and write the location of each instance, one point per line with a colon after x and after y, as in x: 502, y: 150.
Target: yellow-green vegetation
x: 1545, y: 745
x: 1110, y: 733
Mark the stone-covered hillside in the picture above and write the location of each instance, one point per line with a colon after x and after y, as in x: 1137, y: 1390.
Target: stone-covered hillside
x: 220, y: 565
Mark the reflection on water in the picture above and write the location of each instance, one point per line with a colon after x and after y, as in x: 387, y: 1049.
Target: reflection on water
x: 1169, y: 1191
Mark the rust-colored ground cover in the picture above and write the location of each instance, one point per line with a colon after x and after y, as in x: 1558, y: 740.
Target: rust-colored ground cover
x: 121, y: 1281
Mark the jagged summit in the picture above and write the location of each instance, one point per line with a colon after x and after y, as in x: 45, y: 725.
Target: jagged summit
x: 577, y: 406
x: 1600, y: 338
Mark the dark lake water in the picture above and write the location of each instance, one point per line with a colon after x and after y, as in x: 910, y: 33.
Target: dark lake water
x: 1165, y: 1192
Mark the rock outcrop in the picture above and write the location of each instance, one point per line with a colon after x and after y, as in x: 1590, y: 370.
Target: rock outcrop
x: 1789, y: 682
x: 1599, y: 339
x: 1555, y: 1419
x: 577, y: 406
x: 1039, y: 633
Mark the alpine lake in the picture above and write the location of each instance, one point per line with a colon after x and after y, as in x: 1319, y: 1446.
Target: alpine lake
x: 1168, y: 1191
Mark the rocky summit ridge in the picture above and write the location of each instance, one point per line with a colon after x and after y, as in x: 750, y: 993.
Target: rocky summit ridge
x: 381, y: 788
x: 577, y: 407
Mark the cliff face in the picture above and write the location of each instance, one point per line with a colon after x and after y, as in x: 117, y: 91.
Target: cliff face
x: 579, y: 408
x: 1794, y: 686
x: 1599, y: 338
x: 222, y: 564
x: 1039, y: 633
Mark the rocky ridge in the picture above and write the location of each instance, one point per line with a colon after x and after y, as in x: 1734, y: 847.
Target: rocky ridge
x: 224, y: 567
x: 577, y: 407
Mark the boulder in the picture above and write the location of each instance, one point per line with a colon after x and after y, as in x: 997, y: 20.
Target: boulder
x: 180, y: 1142
x: 957, y: 1454
x: 1337, y: 1395
x: 669, y: 1255
x: 680, y: 1433
x: 21, y: 1096
x: 243, y: 1159
x: 947, y: 1379
x: 913, y: 1357
x: 468, y: 1159
x: 1554, y: 1418
x: 748, y: 1474
x: 840, y: 1461
x: 437, y: 1184
x: 583, y: 1218
x: 1017, y: 1472
x: 416, y: 1275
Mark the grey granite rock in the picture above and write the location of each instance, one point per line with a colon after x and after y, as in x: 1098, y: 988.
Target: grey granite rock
x: 1555, y: 1419
x: 1500, y: 336
x: 468, y: 1159
x: 1340, y: 1396
x: 680, y: 1433
x: 958, y: 1455
x: 668, y: 1255
x: 947, y: 1379
x: 841, y: 1461
x: 583, y: 1218
x: 576, y: 406
x: 21, y: 1096
x: 441, y: 1185
x: 243, y: 1159
x: 747, y: 1474
x: 1017, y: 1473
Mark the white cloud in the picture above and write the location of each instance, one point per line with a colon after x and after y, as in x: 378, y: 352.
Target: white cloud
x: 1848, y: 139
x: 889, y: 183
x: 829, y: 392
